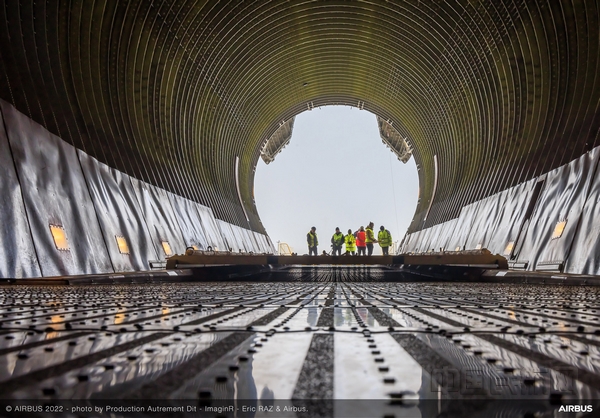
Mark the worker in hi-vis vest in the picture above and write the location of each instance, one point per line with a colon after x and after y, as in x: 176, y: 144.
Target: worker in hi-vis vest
x: 312, y: 240
x: 337, y: 240
x: 370, y: 238
x: 385, y: 240
x: 350, y: 242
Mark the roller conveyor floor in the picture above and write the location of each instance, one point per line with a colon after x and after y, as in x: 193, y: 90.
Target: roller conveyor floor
x: 377, y: 348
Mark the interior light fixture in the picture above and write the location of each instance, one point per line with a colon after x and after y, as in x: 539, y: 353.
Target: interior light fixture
x: 122, y: 244
x: 559, y: 229
x: 166, y: 248
x: 60, y: 237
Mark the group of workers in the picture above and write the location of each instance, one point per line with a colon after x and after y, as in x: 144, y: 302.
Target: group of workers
x: 362, y: 240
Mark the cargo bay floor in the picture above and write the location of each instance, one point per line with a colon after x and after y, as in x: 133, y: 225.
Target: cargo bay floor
x: 419, y: 348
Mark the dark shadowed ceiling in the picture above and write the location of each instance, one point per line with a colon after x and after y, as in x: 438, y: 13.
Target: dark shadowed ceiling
x: 172, y: 92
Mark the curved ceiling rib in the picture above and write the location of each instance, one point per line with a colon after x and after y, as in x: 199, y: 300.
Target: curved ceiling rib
x: 172, y: 91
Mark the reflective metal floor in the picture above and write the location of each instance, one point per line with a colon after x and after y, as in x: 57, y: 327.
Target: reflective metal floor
x: 416, y: 347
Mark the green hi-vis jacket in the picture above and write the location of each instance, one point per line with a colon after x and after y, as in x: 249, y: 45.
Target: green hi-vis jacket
x: 385, y: 238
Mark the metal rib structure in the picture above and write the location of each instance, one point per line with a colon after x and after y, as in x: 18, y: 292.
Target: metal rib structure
x: 171, y: 92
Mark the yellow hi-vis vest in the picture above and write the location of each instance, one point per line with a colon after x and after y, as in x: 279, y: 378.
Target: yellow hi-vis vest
x: 385, y: 238
x: 312, y: 239
x: 337, y: 239
x: 350, y: 243
x: 370, y: 238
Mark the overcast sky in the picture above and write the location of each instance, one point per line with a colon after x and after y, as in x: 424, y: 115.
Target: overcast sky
x: 335, y: 171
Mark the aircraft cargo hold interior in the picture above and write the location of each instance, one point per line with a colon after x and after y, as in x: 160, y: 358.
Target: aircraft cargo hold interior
x: 138, y: 279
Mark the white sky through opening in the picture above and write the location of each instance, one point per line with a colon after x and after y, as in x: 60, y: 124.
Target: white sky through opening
x: 335, y: 172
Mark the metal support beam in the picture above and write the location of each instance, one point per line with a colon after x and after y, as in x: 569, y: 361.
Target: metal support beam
x: 480, y: 258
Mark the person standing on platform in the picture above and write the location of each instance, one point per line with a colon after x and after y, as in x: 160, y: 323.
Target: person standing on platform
x: 370, y: 238
x: 385, y: 240
x: 350, y: 243
x: 312, y: 240
x: 360, y: 241
x: 337, y: 240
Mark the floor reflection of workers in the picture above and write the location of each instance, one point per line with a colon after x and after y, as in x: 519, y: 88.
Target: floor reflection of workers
x: 370, y: 238
x: 337, y: 240
x: 385, y: 239
x: 312, y: 240
x: 350, y: 242
x: 360, y: 241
